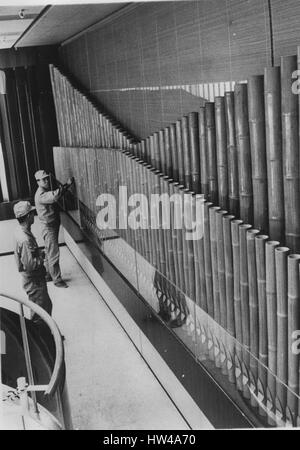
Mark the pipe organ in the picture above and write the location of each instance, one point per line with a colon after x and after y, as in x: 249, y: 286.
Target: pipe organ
x: 237, y: 157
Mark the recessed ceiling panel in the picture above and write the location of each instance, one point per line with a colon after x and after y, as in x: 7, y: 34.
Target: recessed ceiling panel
x: 61, y: 22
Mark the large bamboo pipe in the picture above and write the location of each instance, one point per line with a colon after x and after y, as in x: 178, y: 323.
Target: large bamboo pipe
x: 214, y: 262
x: 211, y: 152
x: 173, y: 231
x: 244, y: 292
x: 157, y: 163
x: 293, y: 325
x: 178, y: 205
x: 188, y: 213
x: 203, y: 153
x: 193, y: 123
x: 244, y: 154
x: 221, y: 144
x: 258, y: 151
x: 186, y: 152
x: 207, y: 260
x: 174, y: 153
x: 169, y: 169
x: 271, y: 318
x: 221, y: 279
x: 253, y: 306
x: 260, y: 250
x: 229, y: 284
x: 235, y: 225
x: 180, y: 152
x: 199, y: 244
x: 272, y: 89
x: 290, y: 148
x: 221, y: 266
x: 232, y: 157
x: 228, y: 256
x: 186, y: 251
x: 281, y: 257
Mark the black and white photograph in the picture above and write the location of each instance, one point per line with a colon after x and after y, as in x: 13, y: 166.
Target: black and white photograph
x: 149, y: 218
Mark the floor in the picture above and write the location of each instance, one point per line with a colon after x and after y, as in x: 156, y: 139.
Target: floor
x: 110, y: 386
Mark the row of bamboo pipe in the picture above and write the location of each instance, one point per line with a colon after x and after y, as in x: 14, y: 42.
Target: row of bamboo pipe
x: 245, y: 281
x: 244, y: 152
x: 79, y: 120
x: 241, y: 151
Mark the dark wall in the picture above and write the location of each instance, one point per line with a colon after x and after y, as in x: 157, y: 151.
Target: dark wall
x: 28, y: 129
x: 182, y: 43
x: 27, y: 56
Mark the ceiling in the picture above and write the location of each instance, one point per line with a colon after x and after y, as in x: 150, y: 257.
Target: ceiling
x: 25, y: 26
x: 12, y: 25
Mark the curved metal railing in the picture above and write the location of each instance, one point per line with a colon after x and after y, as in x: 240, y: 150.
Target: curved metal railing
x: 51, y: 387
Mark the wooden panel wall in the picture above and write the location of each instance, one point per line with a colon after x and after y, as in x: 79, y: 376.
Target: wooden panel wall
x: 166, y: 44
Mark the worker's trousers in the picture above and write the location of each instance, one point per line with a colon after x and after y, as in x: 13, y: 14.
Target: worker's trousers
x: 36, y: 289
x: 50, y: 236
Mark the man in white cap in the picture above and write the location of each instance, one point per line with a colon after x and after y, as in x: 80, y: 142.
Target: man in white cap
x: 48, y: 213
x: 30, y: 259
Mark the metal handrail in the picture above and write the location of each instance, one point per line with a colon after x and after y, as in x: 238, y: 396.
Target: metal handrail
x: 50, y: 388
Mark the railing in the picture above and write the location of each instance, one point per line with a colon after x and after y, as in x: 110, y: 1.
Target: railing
x: 56, y: 377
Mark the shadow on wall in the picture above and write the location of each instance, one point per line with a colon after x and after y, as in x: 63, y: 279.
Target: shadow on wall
x: 144, y: 111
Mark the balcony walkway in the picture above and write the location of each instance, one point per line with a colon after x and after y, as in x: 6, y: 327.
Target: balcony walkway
x: 110, y: 386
